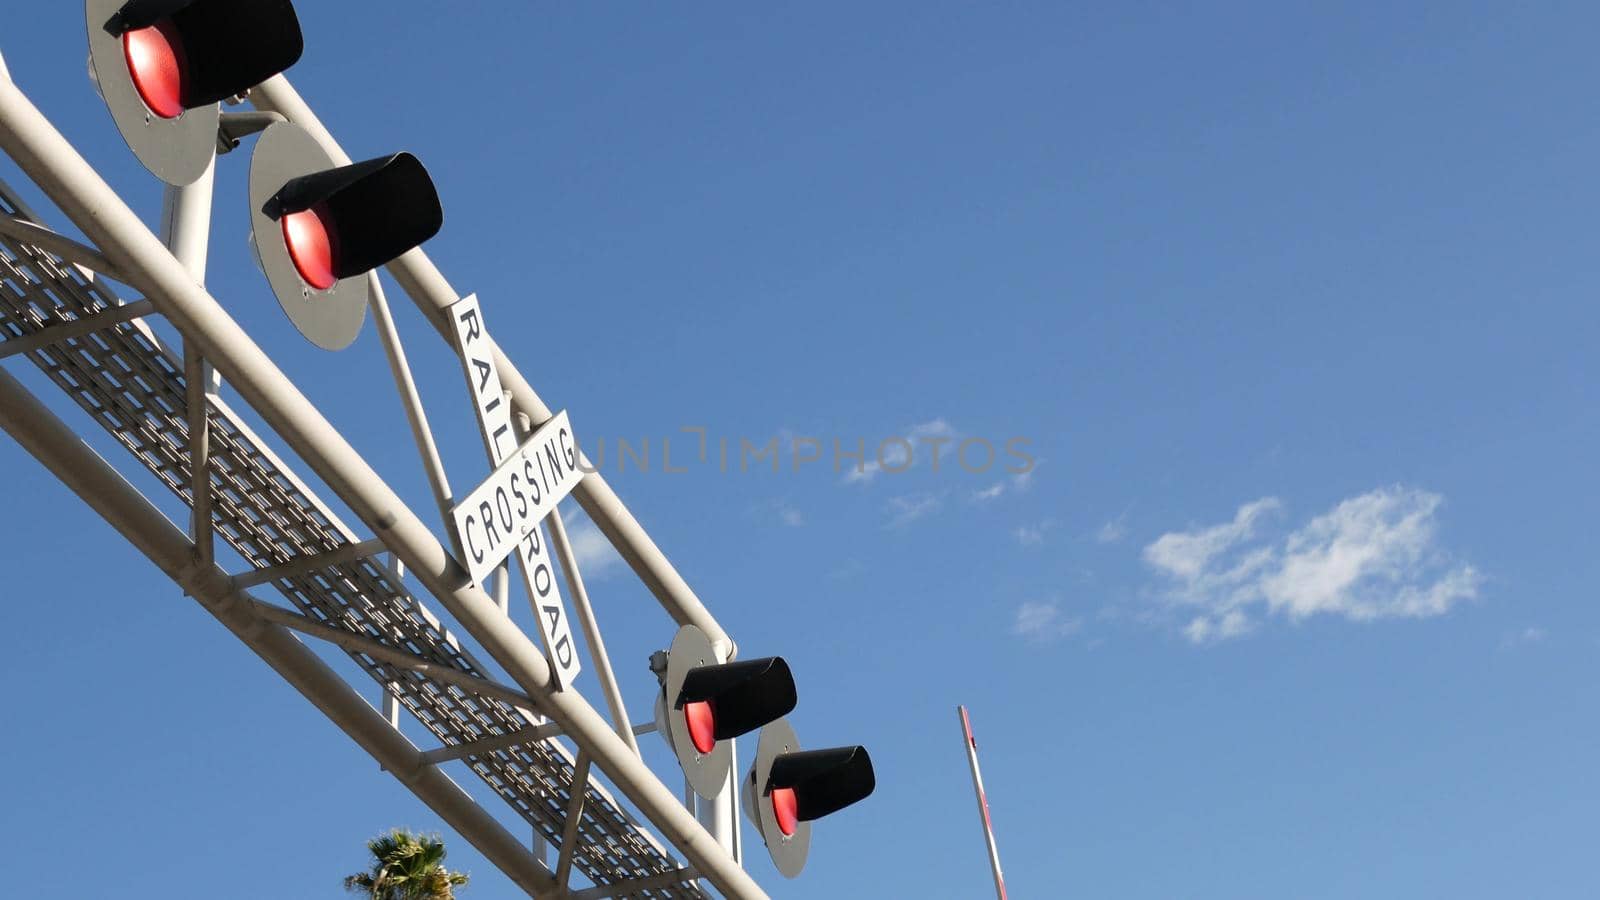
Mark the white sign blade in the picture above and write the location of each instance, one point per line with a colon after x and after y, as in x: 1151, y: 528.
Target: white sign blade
x: 488, y: 397
x: 506, y: 508
x: 494, y: 419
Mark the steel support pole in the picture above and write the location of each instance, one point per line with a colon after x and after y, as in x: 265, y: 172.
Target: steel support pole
x: 983, y: 804
x: 591, y: 630
x: 410, y: 399
x: 391, y: 703
x: 195, y: 378
x: 35, y: 145
x: 539, y: 847
x: 62, y: 452
x: 427, y: 287
x: 562, y: 547
x: 391, y: 708
x: 733, y: 802
x: 416, y: 417
x: 186, y: 221
x: 502, y: 588
x: 720, y: 814
x: 186, y: 231
x: 716, y: 814
x: 569, y: 828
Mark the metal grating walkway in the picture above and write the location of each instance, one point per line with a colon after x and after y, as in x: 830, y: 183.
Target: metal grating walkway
x: 134, y: 387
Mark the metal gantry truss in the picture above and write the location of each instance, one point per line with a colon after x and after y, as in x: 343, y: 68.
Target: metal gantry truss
x: 58, y: 313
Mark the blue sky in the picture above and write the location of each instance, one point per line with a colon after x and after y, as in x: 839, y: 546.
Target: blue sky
x: 1294, y: 306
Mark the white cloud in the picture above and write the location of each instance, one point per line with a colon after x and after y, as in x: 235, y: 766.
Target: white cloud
x: 1031, y: 535
x: 863, y: 473
x: 990, y: 492
x: 936, y: 428
x: 1533, y: 634
x: 908, y: 508
x: 1187, y: 554
x: 780, y: 511
x: 1022, y: 482
x: 901, y: 451
x: 1371, y: 557
x: 1364, y: 560
x: 1043, y: 622
x: 1232, y: 623
x: 594, y: 553
x: 1113, y: 531
x: 1019, y: 483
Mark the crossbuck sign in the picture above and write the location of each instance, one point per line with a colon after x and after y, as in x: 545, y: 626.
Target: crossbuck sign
x: 503, y: 514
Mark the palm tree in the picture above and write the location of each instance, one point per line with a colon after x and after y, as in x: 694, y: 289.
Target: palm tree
x: 407, y: 867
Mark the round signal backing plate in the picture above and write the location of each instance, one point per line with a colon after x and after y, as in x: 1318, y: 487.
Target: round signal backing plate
x: 331, y: 318
x: 788, y: 851
x: 177, y: 151
x: 707, y: 772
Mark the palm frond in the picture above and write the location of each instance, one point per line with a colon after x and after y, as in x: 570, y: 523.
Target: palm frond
x: 407, y: 867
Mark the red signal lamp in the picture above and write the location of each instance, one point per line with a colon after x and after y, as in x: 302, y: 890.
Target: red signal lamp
x: 155, y: 63
x: 702, y: 721
x: 310, y: 245
x: 786, y: 809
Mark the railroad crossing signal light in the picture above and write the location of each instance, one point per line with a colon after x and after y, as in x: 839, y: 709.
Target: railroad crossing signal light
x: 164, y: 65
x: 704, y: 704
x: 788, y: 788
x: 319, y: 227
x: 348, y: 221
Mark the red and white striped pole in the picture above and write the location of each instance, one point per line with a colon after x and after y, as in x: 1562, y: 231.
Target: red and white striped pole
x: 983, y: 803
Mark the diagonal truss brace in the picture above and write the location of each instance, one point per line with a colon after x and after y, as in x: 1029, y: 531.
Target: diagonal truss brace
x: 378, y: 650
x: 569, y: 836
x: 77, y: 328
x: 516, y: 738
x: 62, y: 246
x: 629, y: 888
x: 302, y: 564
